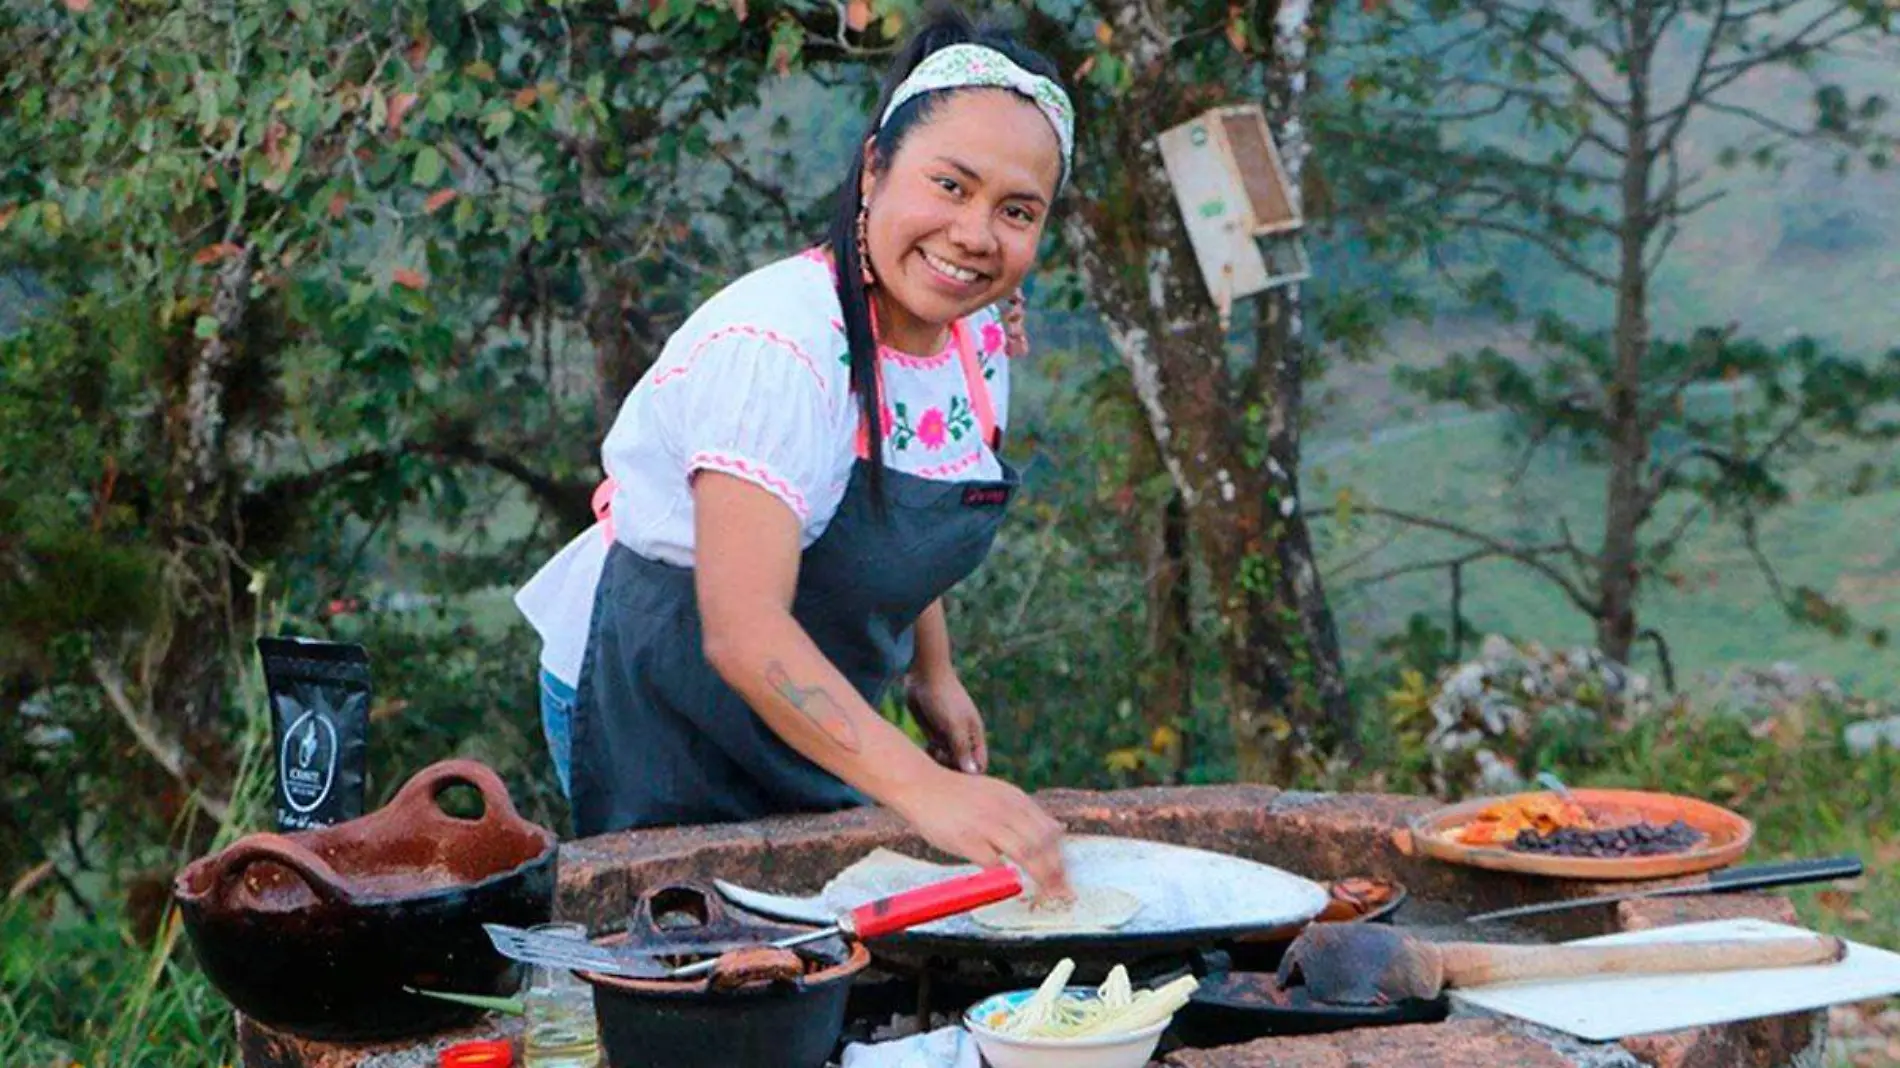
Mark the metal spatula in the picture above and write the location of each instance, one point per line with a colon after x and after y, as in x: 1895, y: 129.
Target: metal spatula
x: 884, y: 916
x: 554, y: 951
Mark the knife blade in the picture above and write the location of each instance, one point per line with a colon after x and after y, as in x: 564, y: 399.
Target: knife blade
x: 1724, y: 881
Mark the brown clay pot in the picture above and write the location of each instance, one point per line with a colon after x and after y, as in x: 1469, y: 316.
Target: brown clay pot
x: 318, y: 932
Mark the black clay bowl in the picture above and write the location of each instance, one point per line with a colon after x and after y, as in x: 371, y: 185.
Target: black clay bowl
x: 318, y: 933
x: 787, y: 1023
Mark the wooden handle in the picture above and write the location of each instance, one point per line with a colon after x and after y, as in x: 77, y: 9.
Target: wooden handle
x: 316, y: 873
x: 1468, y: 964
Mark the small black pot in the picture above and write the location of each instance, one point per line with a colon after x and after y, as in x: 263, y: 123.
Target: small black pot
x: 689, y: 1024
x: 317, y: 933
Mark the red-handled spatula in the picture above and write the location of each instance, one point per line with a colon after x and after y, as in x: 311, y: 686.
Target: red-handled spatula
x: 889, y: 915
x: 884, y: 916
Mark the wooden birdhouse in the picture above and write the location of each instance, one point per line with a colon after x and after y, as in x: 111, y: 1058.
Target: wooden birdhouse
x: 1242, y: 213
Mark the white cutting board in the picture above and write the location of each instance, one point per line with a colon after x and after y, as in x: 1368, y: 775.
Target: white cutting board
x: 1618, y: 1006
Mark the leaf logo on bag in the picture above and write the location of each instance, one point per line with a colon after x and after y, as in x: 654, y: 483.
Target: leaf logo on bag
x: 308, y: 775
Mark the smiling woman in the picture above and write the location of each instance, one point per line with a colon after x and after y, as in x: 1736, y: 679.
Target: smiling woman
x: 951, y: 220
x: 810, y: 465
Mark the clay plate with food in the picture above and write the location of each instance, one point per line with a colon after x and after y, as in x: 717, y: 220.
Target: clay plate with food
x: 1584, y: 834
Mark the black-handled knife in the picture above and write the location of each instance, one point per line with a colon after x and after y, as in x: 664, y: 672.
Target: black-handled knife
x: 1723, y: 881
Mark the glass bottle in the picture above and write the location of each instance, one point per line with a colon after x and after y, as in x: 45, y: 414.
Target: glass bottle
x: 561, y: 1031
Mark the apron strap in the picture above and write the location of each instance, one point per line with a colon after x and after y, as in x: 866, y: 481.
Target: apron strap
x: 979, y: 390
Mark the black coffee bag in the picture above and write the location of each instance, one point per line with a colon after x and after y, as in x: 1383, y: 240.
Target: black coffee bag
x: 319, y: 703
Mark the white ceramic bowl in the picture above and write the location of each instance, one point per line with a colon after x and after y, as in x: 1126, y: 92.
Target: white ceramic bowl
x: 1128, y: 1050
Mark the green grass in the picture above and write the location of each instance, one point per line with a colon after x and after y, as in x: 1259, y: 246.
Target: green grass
x: 1808, y: 797
x: 1717, y: 613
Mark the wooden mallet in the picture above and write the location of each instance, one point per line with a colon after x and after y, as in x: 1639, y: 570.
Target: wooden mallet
x: 1372, y: 964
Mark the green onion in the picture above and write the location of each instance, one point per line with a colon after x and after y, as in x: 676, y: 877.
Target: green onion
x: 511, y: 1006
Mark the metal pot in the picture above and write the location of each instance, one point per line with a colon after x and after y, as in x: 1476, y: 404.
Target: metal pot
x: 318, y: 932
x: 707, y: 1023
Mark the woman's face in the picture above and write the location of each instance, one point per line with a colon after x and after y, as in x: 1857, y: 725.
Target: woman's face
x: 953, y: 221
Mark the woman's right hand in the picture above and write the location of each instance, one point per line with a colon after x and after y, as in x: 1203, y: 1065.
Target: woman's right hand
x: 988, y: 821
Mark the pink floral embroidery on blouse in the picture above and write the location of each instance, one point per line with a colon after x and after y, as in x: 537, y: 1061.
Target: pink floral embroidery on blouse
x: 992, y: 337
x: 932, y: 431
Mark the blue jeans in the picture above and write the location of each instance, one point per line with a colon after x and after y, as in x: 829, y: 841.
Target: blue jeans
x: 557, y: 723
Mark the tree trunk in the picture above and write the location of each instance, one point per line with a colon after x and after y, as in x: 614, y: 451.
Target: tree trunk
x: 1168, y: 680
x: 619, y: 358
x: 1629, y: 437
x: 174, y: 691
x: 1280, y: 359
x: 1139, y: 267
x: 1280, y: 365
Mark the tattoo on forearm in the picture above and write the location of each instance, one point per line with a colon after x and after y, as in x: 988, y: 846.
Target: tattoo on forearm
x: 817, y: 705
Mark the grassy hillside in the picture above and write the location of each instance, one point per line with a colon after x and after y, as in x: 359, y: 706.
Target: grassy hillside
x: 1807, y: 248
x: 1717, y: 612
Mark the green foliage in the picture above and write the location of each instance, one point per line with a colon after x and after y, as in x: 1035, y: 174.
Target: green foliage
x: 1791, y: 774
x: 1730, y: 420
x: 1795, y: 778
x: 446, y: 688
x: 1566, y: 132
x: 300, y: 272
x: 1052, y: 634
x: 1712, y: 604
x: 54, y: 978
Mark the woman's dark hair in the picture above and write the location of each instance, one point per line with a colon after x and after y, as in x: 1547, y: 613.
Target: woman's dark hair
x: 943, y: 27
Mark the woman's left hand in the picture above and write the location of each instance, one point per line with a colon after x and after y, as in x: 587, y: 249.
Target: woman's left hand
x: 948, y: 716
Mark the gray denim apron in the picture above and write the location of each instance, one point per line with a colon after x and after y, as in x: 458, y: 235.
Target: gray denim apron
x: 660, y: 739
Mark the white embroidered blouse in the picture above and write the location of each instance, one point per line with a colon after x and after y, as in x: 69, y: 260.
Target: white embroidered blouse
x: 756, y: 384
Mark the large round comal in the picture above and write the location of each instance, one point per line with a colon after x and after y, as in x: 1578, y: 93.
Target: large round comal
x: 319, y: 933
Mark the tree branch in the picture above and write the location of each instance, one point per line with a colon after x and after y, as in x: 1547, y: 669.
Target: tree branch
x: 155, y: 739
x: 1726, y: 74
x: 1543, y: 240
x: 1529, y: 556
x: 1662, y: 549
x: 572, y: 501
x: 1366, y: 554
x: 772, y: 193
x: 1695, y: 90
x: 1418, y: 568
x: 1552, y: 56
x: 1751, y: 537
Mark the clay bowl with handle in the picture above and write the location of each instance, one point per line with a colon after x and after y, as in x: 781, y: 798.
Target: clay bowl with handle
x: 317, y: 933
x: 760, y: 1006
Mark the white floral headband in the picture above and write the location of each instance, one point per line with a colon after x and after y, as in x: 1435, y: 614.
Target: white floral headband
x: 967, y: 66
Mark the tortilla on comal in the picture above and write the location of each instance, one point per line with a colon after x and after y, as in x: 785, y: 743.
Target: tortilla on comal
x: 1095, y: 908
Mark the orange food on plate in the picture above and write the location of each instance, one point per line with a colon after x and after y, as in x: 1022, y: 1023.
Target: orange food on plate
x: 1500, y: 824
